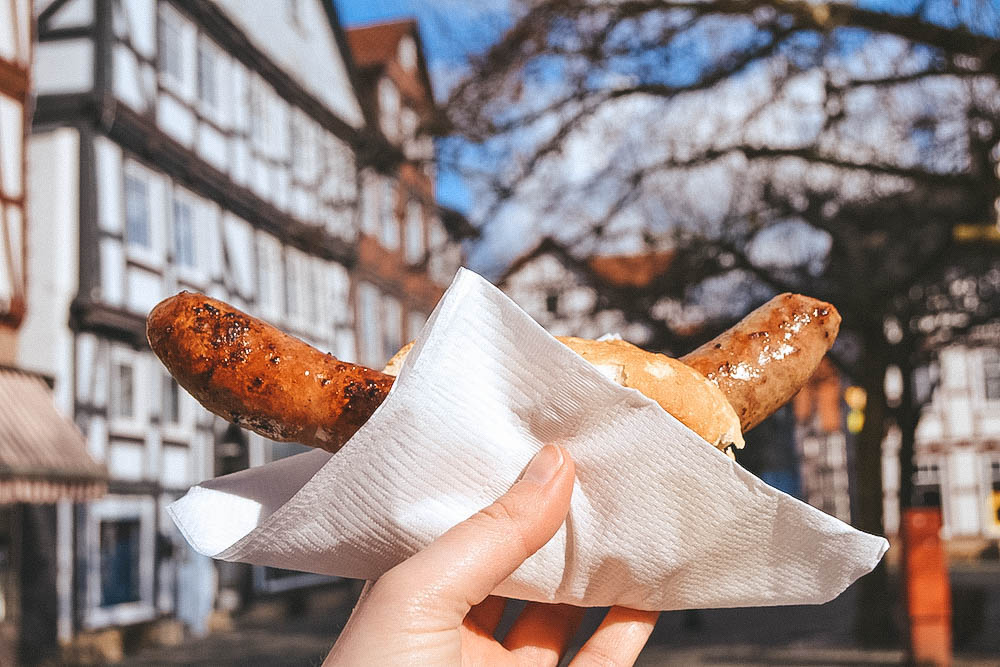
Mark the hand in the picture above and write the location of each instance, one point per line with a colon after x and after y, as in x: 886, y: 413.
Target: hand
x: 434, y: 609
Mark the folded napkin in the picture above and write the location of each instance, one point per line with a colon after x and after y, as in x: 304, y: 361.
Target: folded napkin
x: 659, y: 519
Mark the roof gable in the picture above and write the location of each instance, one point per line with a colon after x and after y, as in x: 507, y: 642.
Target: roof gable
x: 375, y: 46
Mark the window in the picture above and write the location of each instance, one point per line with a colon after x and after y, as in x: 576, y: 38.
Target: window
x: 368, y: 325
x: 304, y: 136
x: 269, y: 279
x: 552, y: 303
x: 991, y: 374
x: 138, y: 228
x: 171, y: 401
x: 208, y: 86
x: 122, y: 391
x: 927, y: 485
x: 392, y: 327
x: 414, y: 323
x: 295, y: 285
x: 265, y: 112
x: 185, y: 249
x: 171, y: 46
x: 414, y: 232
x: 389, y: 227
x: 409, y: 122
x: 119, y: 548
x: 406, y: 53
x: 389, y: 103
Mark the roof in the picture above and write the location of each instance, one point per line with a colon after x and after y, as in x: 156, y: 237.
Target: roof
x: 635, y: 270
x: 639, y: 270
x: 376, y: 43
x: 373, y: 46
x: 43, y: 455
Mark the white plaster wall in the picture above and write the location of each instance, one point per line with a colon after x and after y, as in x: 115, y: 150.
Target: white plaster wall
x: 110, y: 201
x: 176, y: 119
x: 112, y: 258
x: 73, y: 14
x: 299, y: 49
x: 212, y: 146
x: 45, y: 341
x: 127, y: 79
x: 66, y: 66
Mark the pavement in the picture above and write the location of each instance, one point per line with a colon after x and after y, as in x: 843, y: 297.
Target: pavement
x: 797, y: 635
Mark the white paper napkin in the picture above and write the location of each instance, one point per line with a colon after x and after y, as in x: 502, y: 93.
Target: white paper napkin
x: 659, y: 520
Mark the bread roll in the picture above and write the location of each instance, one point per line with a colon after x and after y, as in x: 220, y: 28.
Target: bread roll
x: 680, y: 390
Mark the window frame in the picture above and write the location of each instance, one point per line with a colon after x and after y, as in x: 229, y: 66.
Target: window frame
x: 151, y: 256
x: 388, y: 220
x: 368, y: 311
x: 391, y: 339
x: 270, y: 276
x: 191, y: 273
x: 133, y: 182
x: 390, y: 102
x: 207, y: 50
x: 180, y: 83
x: 414, y: 229
x: 120, y: 508
x: 129, y: 426
x: 990, y: 360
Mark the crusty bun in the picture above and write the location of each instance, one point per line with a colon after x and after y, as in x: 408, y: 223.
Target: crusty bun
x: 680, y: 390
x: 396, y: 363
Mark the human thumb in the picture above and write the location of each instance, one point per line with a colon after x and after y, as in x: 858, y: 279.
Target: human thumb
x: 463, y: 566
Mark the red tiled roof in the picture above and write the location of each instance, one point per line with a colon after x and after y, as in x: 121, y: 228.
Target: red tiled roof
x: 632, y: 270
x: 376, y: 44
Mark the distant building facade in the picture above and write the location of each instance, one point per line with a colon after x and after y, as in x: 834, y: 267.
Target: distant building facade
x: 217, y: 147
x: 560, y: 290
x: 806, y: 457
x: 956, y: 448
x: 822, y: 444
x: 408, y: 249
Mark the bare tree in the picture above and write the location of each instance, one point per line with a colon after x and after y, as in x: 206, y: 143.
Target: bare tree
x: 778, y: 145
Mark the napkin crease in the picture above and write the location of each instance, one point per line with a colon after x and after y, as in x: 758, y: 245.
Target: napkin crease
x: 659, y: 518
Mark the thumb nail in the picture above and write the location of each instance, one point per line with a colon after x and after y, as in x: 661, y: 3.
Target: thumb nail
x: 544, y: 465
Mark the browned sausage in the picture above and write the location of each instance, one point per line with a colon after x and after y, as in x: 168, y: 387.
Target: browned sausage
x: 761, y: 362
x: 250, y: 373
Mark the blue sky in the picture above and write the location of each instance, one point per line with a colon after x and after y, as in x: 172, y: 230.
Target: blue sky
x: 450, y: 31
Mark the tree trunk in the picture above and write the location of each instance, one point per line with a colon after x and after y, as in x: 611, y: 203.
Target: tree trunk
x: 874, y: 617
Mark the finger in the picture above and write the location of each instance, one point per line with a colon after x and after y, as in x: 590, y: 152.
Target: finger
x: 542, y: 632
x: 619, y: 638
x: 487, y: 614
x: 463, y: 566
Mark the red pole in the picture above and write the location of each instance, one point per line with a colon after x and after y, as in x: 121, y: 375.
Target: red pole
x: 928, y: 591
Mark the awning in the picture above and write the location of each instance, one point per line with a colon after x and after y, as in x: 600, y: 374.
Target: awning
x: 43, y: 455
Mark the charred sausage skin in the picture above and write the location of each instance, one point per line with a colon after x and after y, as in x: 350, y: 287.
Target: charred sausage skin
x: 250, y: 373
x: 760, y: 363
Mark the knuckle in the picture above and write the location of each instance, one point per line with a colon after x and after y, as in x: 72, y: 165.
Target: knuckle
x: 504, y: 518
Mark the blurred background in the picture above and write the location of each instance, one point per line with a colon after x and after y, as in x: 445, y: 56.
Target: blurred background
x: 653, y: 168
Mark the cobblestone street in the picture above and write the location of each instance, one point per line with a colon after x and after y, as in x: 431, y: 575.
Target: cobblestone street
x: 811, y: 635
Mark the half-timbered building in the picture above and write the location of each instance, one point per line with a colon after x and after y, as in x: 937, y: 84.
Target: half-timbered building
x: 409, y: 247
x: 207, y: 146
x: 44, y: 464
